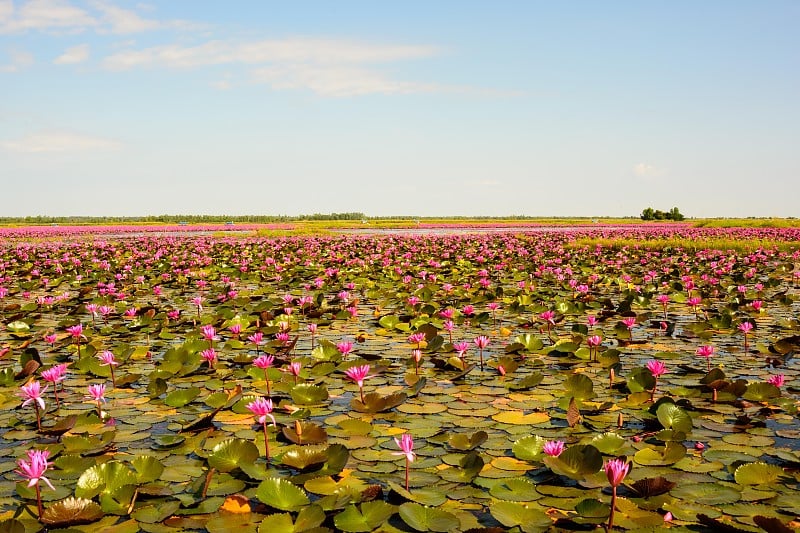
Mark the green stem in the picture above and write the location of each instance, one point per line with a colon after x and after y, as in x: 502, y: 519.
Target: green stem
x: 613, y: 505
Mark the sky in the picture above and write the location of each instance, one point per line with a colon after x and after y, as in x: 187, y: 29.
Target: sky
x: 424, y: 108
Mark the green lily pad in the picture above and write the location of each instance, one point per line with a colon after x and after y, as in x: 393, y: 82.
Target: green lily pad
x: 513, y: 514
x: 576, y: 461
x: 424, y: 518
x: 529, y: 448
x: 181, y: 397
x: 375, y: 403
x: 366, y: 517
x: 308, y: 519
x: 229, y: 454
x: 281, y: 494
x: 308, y: 394
x: 516, y: 490
x: 460, y: 441
x: 706, y: 493
x: 673, y: 417
x: 108, y: 478
x: 758, y: 474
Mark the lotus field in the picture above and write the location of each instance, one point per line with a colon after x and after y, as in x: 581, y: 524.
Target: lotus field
x: 629, y: 378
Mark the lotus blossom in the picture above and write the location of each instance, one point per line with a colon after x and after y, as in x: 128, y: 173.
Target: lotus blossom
x: 262, y: 410
x: 312, y: 328
x: 745, y: 327
x: 97, y: 394
x: 629, y: 322
x: 294, y: 369
x: 663, y: 299
x: 107, y: 359
x: 264, y: 362
x: 77, y: 332
x: 210, y: 355
x: 344, y: 347
x: 553, y: 448
x: 406, y: 445
x: 707, y: 352
x: 777, y: 380
x: 209, y: 333
x: 594, y: 342
x: 416, y: 338
x: 481, y: 341
x: 32, y: 394
x: 256, y: 338
x: 616, y: 470
x: 656, y: 368
x: 33, y: 470
x: 55, y: 374
x: 358, y: 374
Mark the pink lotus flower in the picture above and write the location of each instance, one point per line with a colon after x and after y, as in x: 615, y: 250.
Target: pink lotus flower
x: 756, y: 305
x: 97, y: 395
x: 264, y: 362
x: 591, y: 320
x: 745, y: 327
x: 344, y: 347
x: 33, y: 470
x: 256, y: 338
x: 107, y: 359
x: 294, y: 369
x: 32, y: 393
x: 210, y: 356
x: 406, y: 445
x: 707, y: 352
x: 235, y: 329
x: 616, y: 470
x: 481, y: 341
x: 55, y: 374
x: 657, y: 368
x: 209, y: 333
x: 553, y: 448
x: 358, y: 374
x: 777, y: 380
x: 262, y: 410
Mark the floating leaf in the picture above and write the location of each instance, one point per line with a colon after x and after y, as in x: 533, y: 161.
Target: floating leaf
x: 761, y: 392
x: 460, y: 441
x: 281, y: 494
x: 513, y: 514
x: 71, y: 512
x: 529, y: 448
x: 706, y: 493
x: 424, y: 518
x: 758, y: 474
x: 181, y: 397
x: 308, y: 394
x: 366, y: 517
x: 229, y: 454
x: 576, y: 461
x: 673, y: 417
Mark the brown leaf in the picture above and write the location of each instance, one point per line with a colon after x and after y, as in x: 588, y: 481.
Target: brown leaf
x: 573, y: 413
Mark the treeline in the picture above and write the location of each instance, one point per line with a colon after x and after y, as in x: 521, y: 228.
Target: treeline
x: 175, y: 219
x: 657, y: 214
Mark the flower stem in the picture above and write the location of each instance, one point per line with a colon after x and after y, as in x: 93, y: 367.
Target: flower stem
x: 266, y: 441
x: 407, y: 475
x: 39, y: 501
x: 613, y: 505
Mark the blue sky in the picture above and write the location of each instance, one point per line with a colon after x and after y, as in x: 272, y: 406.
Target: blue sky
x: 451, y: 107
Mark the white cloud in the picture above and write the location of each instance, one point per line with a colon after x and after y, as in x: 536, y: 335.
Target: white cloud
x: 335, y: 81
x: 58, y: 142
x: 124, y: 21
x: 44, y: 15
x: 19, y: 59
x: 645, y: 170
x: 299, y: 50
x: 63, y: 16
x: 71, y: 56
